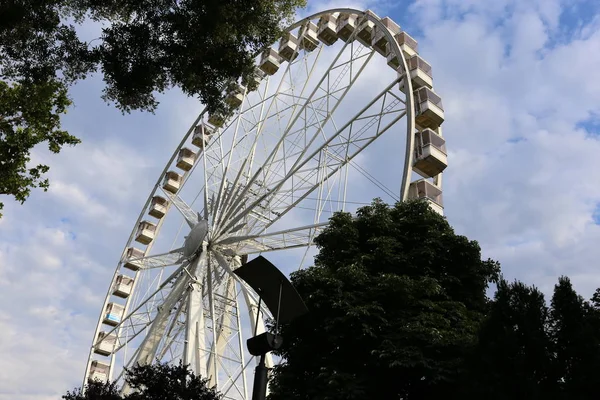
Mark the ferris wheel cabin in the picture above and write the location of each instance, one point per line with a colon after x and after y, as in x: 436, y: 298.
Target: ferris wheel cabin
x: 158, y: 207
x: 105, y: 344
x: 216, y: 119
x: 202, y: 134
x: 99, y: 371
x: 172, y: 182
x: 425, y: 190
x: 430, y: 157
x: 310, y: 39
x: 113, y: 314
x: 346, y: 24
x: 365, y: 34
x: 380, y: 42
x: 327, y: 29
x: 408, y: 45
x: 270, y: 61
x: 420, y: 72
x: 131, y: 254
x: 186, y: 159
x: 123, y: 286
x: 145, y: 232
x: 236, y: 96
x: 288, y: 47
x: 429, y: 109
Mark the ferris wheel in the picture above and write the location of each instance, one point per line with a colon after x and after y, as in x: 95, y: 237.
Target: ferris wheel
x: 266, y: 179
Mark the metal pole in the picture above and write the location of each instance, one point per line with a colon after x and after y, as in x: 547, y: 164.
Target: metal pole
x: 259, y: 391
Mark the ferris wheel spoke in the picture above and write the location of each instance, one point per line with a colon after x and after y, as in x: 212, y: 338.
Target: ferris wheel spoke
x: 227, y: 349
x: 159, y: 325
x: 272, y: 241
x: 191, y: 217
x: 173, y: 257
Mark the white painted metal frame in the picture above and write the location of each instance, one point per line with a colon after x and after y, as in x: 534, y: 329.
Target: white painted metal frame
x: 284, y: 144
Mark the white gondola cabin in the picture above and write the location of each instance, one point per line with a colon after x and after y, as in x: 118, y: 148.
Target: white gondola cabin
x: 420, y: 72
x: 172, y: 182
x: 217, y: 119
x: 99, y: 371
x: 380, y: 42
x: 408, y: 45
x: 430, y: 157
x: 366, y: 29
x: 269, y: 61
x: 186, y: 159
x: 105, y: 344
x: 425, y: 190
x: 158, y: 207
x: 255, y: 78
x: 429, y: 109
x: 131, y: 254
x: 309, y: 41
x: 288, y: 47
x: 145, y: 232
x: 346, y: 25
x: 235, y: 97
x: 202, y: 134
x: 122, y: 287
x: 327, y: 29
x: 113, y: 314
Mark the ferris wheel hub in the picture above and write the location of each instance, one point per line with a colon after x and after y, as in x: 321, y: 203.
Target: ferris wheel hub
x: 193, y: 241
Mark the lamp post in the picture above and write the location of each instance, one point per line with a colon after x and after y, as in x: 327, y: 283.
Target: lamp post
x: 285, y: 304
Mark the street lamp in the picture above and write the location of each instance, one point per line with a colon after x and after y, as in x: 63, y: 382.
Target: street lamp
x: 285, y: 304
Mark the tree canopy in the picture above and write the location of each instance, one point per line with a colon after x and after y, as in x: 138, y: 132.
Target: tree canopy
x: 395, y: 300
x: 529, y: 349
x: 398, y: 310
x: 150, y: 382
x: 145, y: 48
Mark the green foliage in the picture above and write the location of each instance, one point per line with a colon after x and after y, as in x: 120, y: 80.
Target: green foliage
x: 575, y: 333
x: 151, y: 382
x: 29, y: 115
x: 395, y: 299
x: 513, y: 358
x: 197, y: 45
x: 146, y: 47
x: 529, y: 350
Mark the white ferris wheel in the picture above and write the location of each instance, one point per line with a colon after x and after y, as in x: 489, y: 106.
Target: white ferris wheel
x: 267, y: 179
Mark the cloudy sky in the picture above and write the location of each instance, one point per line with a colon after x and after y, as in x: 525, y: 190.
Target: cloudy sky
x: 520, y: 82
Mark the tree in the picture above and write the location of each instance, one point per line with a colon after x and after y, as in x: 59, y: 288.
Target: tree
x: 151, y: 382
x: 575, y: 332
x: 200, y: 46
x: 395, y: 300
x: 41, y: 57
x: 527, y: 349
x: 513, y: 357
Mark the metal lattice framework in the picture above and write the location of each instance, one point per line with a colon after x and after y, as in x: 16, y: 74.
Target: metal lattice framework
x: 265, y: 179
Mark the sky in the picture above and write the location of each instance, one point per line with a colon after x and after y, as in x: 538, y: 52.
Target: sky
x: 521, y: 89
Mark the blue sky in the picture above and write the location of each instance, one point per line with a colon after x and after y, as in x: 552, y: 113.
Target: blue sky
x: 506, y: 70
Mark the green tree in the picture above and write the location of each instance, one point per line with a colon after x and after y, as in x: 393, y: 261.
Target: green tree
x: 146, y: 47
x: 527, y: 349
x: 395, y: 300
x: 151, y: 382
x: 576, y: 335
x: 513, y: 358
